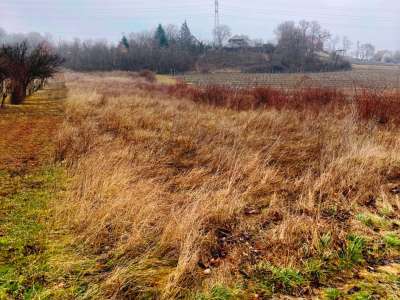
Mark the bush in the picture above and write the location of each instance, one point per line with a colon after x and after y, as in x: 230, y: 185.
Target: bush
x: 380, y: 106
x: 148, y: 75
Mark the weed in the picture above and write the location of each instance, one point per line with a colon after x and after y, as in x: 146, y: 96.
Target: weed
x: 333, y: 294
x: 372, y: 221
x: 392, y: 240
x: 285, y: 280
x: 353, y: 252
x: 220, y: 292
x: 325, y: 240
x: 362, y: 295
x: 316, y: 271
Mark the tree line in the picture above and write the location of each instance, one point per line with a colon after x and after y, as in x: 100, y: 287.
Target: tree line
x: 163, y: 51
x: 169, y: 49
x: 299, y: 47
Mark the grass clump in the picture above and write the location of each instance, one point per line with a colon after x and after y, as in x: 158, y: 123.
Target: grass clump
x: 362, y: 295
x: 332, y: 294
x: 373, y: 221
x: 280, y: 280
x: 392, y: 240
x: 353, y: 253
x: 220, y: 292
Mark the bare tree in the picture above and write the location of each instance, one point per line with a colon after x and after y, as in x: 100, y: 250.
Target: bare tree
x: 24, y: 65
x: 333, y: 43
x: 383, y: 56
x: 172, y: 33
x: 222, y: 33
x: 346, y: 44
x: 367, y: 51
x: 317, y: 37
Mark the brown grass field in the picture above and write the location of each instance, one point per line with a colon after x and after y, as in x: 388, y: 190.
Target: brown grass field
x: 187, y: 200
x: 161, y: 190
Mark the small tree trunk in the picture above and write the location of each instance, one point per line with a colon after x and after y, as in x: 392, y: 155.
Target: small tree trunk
x: 3, y: 100
x: 19, y: 93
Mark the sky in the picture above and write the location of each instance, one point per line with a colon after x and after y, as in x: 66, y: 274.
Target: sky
x: 374, y: 21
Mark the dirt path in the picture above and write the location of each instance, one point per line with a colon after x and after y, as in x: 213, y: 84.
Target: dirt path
x: 36, y: 260
x: 26, y: 131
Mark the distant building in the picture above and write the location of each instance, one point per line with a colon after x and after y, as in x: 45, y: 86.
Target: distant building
x: 239, y: 41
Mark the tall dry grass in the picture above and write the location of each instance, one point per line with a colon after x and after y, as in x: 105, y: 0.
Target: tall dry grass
x: 166, y: 188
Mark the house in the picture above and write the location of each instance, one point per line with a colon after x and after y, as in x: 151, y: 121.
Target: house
x: 239, y: 41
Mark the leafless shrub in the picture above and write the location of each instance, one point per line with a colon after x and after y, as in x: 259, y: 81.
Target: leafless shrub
x: 148, y: 75
x: 24, y: 65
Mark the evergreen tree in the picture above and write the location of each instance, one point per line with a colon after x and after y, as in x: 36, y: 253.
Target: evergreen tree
x: 124, y: 42
x: 161, y: 37
x: 185, y: 36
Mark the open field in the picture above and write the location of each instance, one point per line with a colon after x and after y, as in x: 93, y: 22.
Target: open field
x: 362, y: 76
x: 184, y: 200
x: 131, y: 189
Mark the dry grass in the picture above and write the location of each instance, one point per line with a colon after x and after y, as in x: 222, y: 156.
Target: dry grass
x: 166, y: 188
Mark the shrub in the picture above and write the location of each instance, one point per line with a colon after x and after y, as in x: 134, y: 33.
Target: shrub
x: 23, y: 65
x: 259, y: 97
x: 148, y: 75
x: 380, y: 106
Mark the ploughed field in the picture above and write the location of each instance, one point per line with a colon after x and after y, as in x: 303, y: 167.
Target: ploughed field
x: 362, y: 76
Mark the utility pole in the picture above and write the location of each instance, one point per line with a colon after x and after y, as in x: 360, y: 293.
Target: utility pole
x: 216, y: 22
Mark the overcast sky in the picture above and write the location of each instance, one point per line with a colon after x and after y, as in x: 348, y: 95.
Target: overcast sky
x: 375, y: 21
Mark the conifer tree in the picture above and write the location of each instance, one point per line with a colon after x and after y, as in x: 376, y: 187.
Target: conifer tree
x: 185, y: 36
x: 124, y: 42
x: 161, y: 37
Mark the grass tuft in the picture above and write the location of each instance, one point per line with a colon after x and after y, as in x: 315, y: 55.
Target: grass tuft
x: 392, y: 240
x: 333, y: 294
